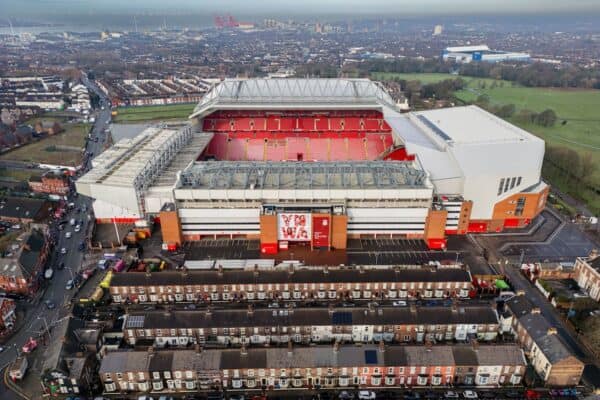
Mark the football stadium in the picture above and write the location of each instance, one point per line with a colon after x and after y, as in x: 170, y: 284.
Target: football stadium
x: 319, y: 161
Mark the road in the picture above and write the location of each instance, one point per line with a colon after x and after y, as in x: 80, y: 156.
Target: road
x: 39, y: 317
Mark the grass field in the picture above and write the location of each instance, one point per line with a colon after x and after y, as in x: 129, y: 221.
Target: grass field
x: 44, y: 151
x: 578, y: 107
x: 153, y: 113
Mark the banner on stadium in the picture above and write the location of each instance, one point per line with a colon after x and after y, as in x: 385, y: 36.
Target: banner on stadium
x: 321, y: 229
x: 294, y: 227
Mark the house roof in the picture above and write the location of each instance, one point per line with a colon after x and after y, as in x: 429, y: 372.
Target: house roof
x: 174, y: 278
x: 23, y: 262
x: 22, y: 208
x: 310, y: 316
x: 553, y: 348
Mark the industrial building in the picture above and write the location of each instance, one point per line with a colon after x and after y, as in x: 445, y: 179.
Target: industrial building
x: 481, y: 53
x: 318, y: 161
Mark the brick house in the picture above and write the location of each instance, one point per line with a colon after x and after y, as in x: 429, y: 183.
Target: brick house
x: 51, y: 183
x: 278, y: 368
x: 23, y: 210
x: 22, y: 267
x: 7, y: 314
x: 552, y: 360
x: 311, y: 325
x: 587, y: 274
x: 299, y: 285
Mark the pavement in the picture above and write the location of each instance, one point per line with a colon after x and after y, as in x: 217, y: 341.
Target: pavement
x: 39, y: 320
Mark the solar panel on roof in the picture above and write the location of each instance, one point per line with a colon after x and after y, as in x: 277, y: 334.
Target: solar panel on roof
x: 370, y: 357
x: 434, y: 128
x: 135, y: 321
x: 341, y: 318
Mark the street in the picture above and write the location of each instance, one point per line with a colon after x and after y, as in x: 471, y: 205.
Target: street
x: 40, y: 319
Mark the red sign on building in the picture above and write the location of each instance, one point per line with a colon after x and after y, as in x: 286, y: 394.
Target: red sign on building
x: 321, y: 231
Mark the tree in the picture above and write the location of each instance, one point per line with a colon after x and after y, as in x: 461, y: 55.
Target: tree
x: 506, y: 111
x: 546, y: 118
x: 483, y: 100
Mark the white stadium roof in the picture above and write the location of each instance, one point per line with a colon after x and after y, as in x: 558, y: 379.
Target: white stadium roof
x: 310, y: 93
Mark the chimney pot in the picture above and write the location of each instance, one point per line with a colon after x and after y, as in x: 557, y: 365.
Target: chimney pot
x: 244, y: 350
x: 250, y: 309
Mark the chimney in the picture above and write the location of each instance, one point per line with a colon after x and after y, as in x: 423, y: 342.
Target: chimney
x: 250, y: 311
x: 413, y: 308
x: 381, y: 346
x: 593, y: 254
x: 148, y: 274
x: 255, y: 269
x: 151, y: 350
x: 168, y: 311
x: 371, y: 308
x: 220, y: 270
x: 454, y: 307
x: 551, y: 331
x: 244, y: 350
x: 428, y: 345
x: 325, y: 270
x: 330, y: 309
x: 208, y: 313
x: 361, y: 269
x: 475, y: 344
x: 535, y: 310
x: 184, y: 271
x: 291, y: 269
x: 336, y: 346
x: 198, y: 348
x: 290, y: 348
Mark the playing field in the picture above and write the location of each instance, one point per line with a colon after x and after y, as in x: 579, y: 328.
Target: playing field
x: 578, y: 108
x: 153, y: 113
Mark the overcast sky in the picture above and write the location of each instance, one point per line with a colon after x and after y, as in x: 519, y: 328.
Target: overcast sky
x: 21, y: 8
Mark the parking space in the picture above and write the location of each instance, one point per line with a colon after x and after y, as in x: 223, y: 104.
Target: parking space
x: 221, y: 248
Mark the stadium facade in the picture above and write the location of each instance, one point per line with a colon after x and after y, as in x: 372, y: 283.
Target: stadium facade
x: 319, y: 161
x: 481, y: 53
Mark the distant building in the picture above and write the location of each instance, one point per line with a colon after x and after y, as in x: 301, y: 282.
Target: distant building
x: 438, y: 30
x: 22, y: 265
x: 548, y: 271
x: 587, y: 274
x: 467, y: 54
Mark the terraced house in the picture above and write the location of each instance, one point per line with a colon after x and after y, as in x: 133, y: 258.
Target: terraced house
x: 310, y: 367
x: 311, y: 325
x: 294, y: 285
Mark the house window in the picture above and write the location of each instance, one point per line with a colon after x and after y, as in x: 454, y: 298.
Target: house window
x: 520, y: 206
x: 483, y: 379
x: 422, y: 380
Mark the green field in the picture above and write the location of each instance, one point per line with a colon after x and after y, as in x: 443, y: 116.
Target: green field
x: 44, y: 151
x: 578, y: 107
x: 153, y: 113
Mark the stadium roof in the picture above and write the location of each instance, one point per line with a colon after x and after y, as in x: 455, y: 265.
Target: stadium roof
x: 310, y: 93
x: 467, y: 49
x: 303, y: 175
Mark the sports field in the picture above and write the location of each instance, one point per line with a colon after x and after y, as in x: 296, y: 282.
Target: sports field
x: 578, y: 125
x: 153, y: 113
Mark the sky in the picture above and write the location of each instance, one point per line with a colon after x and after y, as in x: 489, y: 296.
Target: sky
x: 37, y: 8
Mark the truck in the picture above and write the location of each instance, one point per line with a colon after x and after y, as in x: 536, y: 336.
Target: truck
x: 105, y: 283
x: 18, y: 368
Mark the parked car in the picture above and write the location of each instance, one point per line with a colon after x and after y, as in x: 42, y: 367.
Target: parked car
x: 451, y: 395
x: 77, y: 228
x: 68, y: 235
x: 63, y: 250
x: 366, y: 395
x: 30, y: 346
x: 70, y: 284
x: 50, y: 304
x: 470, y: 394
x: 344, y: 395
x: 400, y: 303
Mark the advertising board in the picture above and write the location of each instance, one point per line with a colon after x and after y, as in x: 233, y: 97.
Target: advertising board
x: 294, y: 227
